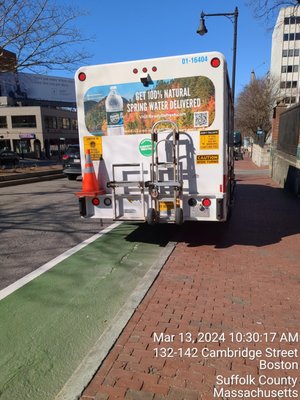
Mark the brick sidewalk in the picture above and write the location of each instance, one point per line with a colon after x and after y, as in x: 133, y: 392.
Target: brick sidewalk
x: 247, y: 164
x: 237, y: 277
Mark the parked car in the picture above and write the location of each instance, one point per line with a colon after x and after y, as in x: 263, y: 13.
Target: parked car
x: 71, y: 162
x: 9, y: 158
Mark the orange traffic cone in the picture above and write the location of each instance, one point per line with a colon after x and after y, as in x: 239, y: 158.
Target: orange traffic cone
x: 90, y: 185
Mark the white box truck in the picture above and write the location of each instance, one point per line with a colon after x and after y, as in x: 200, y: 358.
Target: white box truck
x: 158, y: 134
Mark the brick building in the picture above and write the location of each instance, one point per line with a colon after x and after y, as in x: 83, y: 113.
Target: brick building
x: 8, y: 61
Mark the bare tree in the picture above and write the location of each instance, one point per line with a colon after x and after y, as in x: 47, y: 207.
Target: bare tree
x: 254, y: 107
x: 41, y: 33
x: 268, y: 9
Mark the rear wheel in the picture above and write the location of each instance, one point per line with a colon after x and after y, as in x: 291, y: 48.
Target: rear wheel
x: 151, y: 216
x: 179, y: 216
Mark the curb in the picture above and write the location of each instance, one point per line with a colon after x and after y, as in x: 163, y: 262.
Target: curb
x: 77, y: 383
x: 20, y: 179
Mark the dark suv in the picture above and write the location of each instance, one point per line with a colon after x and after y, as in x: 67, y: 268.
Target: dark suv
x: 9, y: 158
x: 71, y: 162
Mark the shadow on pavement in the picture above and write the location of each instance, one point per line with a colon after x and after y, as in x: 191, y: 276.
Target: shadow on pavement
x: 261, y: 215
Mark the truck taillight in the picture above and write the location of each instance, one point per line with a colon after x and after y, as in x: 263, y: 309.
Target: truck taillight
x: 144, y: 70
x: 95, y: 201
x: 82, y: 76
x: 215, y: 62
x: 206, y: 202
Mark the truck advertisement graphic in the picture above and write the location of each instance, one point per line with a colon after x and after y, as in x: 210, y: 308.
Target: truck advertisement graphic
x: 190, y: 102
x: 154, y: 139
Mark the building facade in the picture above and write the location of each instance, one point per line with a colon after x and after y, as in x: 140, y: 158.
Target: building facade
x: 285, y: 56
x: 37, y: 114
x: 37, y: 131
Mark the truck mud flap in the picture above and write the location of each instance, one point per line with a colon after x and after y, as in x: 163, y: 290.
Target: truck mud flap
x: 220, y: 209
x: 82, y: 206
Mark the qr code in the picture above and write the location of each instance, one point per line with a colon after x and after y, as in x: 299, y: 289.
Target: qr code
x: 200, y: 119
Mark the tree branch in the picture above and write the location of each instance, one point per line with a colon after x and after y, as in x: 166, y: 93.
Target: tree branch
x: 41, y: 34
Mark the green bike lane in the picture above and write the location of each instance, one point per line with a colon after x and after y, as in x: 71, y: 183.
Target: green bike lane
x: 55, y: 326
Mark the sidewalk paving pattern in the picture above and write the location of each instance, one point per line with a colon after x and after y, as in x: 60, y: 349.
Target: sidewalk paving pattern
x: 238, y: 277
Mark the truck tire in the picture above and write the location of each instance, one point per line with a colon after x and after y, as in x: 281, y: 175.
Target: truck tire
x: 178, y: 216
x: 151, y: 216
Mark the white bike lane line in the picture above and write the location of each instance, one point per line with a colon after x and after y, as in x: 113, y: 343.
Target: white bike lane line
x: 52, y: 263
x: 63, y: 319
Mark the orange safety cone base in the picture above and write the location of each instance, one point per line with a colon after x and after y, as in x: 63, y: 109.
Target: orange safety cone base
x: 90, y: 194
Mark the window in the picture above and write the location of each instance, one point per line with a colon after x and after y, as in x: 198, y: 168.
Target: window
x: 50, y: 122
x: 291, y: 20
x: 290, y: 53
x: 291, y: 36
x: 23, y: 121
x: 66, y: 123
x: 290, y: 100
x: 3, y: 122
x: 74, y: 124
x: 288, y: 84
x: 5, y: 144
x: 289, y: 68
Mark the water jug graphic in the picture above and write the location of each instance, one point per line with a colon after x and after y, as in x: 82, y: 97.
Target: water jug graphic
x: 114, y: 113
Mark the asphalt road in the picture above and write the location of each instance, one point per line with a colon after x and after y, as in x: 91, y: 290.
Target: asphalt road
x: 39, y: 221
x: 53, y: 323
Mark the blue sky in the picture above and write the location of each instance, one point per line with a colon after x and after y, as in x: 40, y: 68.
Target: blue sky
x: 135, y: 30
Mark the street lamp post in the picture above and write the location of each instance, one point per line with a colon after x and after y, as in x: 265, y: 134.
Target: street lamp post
x: 202, y: 30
